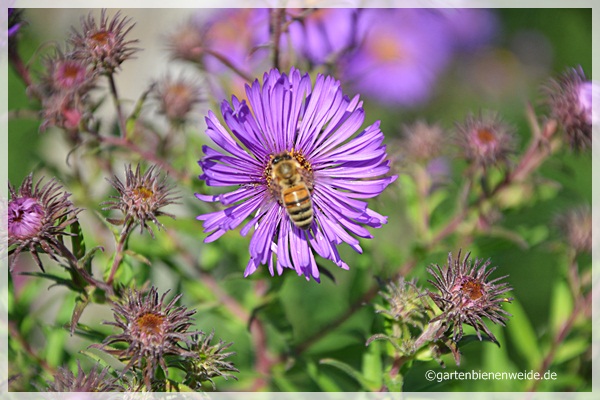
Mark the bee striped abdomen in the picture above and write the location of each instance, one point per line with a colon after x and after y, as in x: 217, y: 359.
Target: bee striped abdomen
x: 298, y: 205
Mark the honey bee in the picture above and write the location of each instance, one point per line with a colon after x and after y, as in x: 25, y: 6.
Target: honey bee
x: 289, y: 181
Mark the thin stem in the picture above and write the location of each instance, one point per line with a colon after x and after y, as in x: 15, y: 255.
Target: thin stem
x: 15, y: 334
x: 117, y: 101
x: 119, y: 250
x: 277, y: 19
x: 225, y: 61
x: 580, y: 306
x: 20, y: 67
x: 147, y: 155
x: 263, y: 361
x: 23, y: 113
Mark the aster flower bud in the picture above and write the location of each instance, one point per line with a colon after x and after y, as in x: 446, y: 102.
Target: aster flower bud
x: 485, y: 140
x: 97, y: 380
x: 210, y: 361
x: 64, y: 91
x: 187, y: 42
x: 465, y: 296
x: 570, y: 100
x: 103, y: 45
x: 423, y: 142
x: 404, y: 303
x: 141, y: 197
x: 151, y: 330
x: 37, y: 218
x: 576, y: 227
x: 176, y: 98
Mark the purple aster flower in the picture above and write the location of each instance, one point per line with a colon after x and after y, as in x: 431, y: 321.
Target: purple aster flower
x: 401, y: 54
x: 301, y: 167
x: 324, y: 33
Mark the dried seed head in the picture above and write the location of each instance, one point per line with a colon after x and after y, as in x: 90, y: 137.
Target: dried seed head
x: 187, y: 42
x: 103, y: 45
x: 466, y: 296
x: 151, y: 330
x: 423, y: 142
x: 141, y: 197
x: 176, y: 98
x: 485, y: 140
x: 98, y: 380
x: 576, y: 227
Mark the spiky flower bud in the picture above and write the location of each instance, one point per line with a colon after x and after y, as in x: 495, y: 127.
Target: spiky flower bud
x: 176, y: 98
x: 423, y: 142
x: 141, y: 197
x: 151, y: 330
x: 187, y: 42
x: 485, y: 140
x: 211, y: 361
x: 97, y: 380
x: 103, y: 45
x: 404, y: 303
x: 37, y: 218
x: 576, y: 227
x: 465, y: 296
x: 570, y: 100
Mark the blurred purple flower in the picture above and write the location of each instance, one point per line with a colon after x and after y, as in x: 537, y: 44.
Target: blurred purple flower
x: 14, y: 22
x: 400, y: 57
x: 324, y: 33
x: 470, y: 28
x: 239, y: 34
x: 315, y: 129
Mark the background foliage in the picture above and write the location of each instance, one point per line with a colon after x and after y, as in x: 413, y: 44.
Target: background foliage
x: 311, y: 335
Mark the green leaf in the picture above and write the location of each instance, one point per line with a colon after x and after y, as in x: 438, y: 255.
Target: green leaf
x: 325, y: 382
x: 86, y: 261
x: 571, y: 349
x: 59, y: 280
x: 137, y: 256
x: 80, y: 304
x: 77, y: 241
x: 103, y: 358
x: 372, y: 365
x: 367, y: 384
x: 561, y: 306
x: 523, y: 336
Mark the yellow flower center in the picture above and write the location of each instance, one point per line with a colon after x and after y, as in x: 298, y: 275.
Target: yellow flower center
x: 485, y: 136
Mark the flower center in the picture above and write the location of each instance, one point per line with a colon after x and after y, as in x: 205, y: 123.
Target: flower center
x: 143, y: 194
x: 485, y: 136
x: 297, y: 155
x: 69, y: 74
x: 472, y: 289
x: 151, y: 326
x: 386, y: 49
x: 101, y: 38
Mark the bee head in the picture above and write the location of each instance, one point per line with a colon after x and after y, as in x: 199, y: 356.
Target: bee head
x: 280, y: 157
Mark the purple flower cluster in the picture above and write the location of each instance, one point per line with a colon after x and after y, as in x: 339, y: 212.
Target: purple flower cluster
x: 332, y: 166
